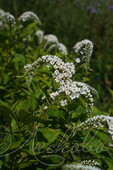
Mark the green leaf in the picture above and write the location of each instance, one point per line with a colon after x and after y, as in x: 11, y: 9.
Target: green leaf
x: 37, y: 119
x: 103, y: 137
x: 37, y: 90
x: 109, y: 162
x: 2, y: 87
x: 1, y: 164
x: 23, y: 114
x: 25, y: 165
x: 6, y: 78
x: 80, y: 109
x: 14, y: 126
x: 7, y: 113
x: 111, y: 92
x: 44, y: 71
x: 15, y: 145
x: 55, y: 113
x: 19, y: 58
x: 49, y: 134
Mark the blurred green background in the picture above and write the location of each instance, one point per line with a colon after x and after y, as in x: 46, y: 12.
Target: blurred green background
x: 75, y: 20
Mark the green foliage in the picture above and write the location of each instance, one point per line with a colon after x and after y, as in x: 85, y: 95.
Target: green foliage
x: 36, y: 131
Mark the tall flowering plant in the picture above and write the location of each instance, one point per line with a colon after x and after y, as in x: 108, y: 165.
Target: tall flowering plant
x: 48, y: 118
x: 68, y: 96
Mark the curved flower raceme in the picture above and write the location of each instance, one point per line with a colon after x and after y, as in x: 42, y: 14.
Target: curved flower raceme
x: 40, y: 36
x: 50, y: 38
x: 1, y: 12
x: 52, y: 43
x: 84, y: 50
x: 98, y: 122
x: 62, y: 74
x: 7, y: 19
x: 110, y: 125
x: 27, y: 16
x: 90, y: 162
x: 79, y: 167
x: 62, y: 49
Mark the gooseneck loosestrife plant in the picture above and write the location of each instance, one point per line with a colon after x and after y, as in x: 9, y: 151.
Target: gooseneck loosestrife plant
x: 70, y: 89
x: 51, y: 120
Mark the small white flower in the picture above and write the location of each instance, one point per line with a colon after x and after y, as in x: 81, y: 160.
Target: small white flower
x: 54, y: 94
x: 63, y: 102
x: 27, y: 67
x: 77, y: 60
x: 45, y: 108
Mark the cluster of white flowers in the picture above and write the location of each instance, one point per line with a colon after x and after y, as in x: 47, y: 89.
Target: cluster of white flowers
x: 54, y: 94
x: 79, y: 167
x: 98, y: 122
x: 29, y: 71
x: 51, y: 42
x: 90, y: 162
x: 110, y: 125
x: 62, y: 74
x: 1, y: 23
x: 40, y: 36
x: 50, y: 39
x: 6, y: 19
x: 28, y: 68
x: 27, y: 16
x: 84, y: 49
x: 66, y: 69
x: 1, y: 12
x: 75, y: 89
x: 63, y: 102
x: 62, y: 49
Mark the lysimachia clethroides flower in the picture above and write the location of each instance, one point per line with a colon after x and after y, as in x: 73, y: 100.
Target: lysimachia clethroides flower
x: 1, y: 12
x: 40, y: 36
x: 6, y: 19
x: 63, y: 73
x: 83, y: 50
x: 51, y: 43
x: 97, y: 122
x: 62, y: 49
x: 79, y: 167
x: 29, y: 16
